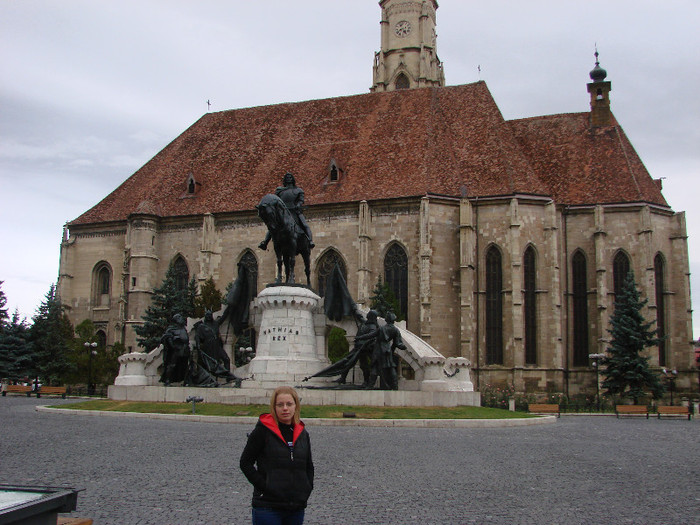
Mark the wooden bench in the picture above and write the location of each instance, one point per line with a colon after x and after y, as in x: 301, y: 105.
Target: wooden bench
x: 52, y: 391
x: 673, y: 411
x: 631, y: 410
x: 544, y: 408
x: 67, y: 520
x: 17, y: 389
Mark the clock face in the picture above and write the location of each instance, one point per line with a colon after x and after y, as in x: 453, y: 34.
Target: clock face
x: 402, y: 28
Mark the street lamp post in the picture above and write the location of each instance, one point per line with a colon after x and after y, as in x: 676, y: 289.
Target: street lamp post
x: 90, y: 347
x: 596, y: 362
x: 670, y: 376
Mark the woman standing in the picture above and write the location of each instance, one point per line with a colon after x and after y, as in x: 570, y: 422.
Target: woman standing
x: 277, y: 462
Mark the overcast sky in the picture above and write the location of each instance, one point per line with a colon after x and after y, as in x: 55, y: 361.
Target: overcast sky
x: 91, y: 90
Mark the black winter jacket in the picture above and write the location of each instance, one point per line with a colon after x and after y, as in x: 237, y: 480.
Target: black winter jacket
x: 282, y: 476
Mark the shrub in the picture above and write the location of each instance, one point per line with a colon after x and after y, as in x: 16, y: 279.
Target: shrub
x: 496, y: 396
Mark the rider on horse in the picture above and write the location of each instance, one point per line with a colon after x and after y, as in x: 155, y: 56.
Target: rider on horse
x: 293, y: 198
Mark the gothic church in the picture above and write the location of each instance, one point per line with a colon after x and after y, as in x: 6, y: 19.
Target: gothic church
x: 504, y: 241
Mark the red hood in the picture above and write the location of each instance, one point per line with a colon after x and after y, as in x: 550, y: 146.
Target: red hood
x: 269, y: 422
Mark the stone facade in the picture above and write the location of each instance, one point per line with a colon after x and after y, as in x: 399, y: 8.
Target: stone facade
x: 446, y: 240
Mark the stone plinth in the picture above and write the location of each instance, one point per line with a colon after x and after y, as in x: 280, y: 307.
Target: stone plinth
x: 250, y: 393
x: 290, y: 342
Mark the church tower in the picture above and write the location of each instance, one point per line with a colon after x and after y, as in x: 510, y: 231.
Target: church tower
x: 408, y: 56
x: 599, y: 91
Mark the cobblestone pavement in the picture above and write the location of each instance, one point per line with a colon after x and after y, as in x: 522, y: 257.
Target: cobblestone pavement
x: 581, y: 470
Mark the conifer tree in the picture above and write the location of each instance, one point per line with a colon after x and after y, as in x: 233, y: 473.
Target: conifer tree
x: 51, y: 335
x: 3, y: 310
x: 167, y: 300
x: 626, y: 370
x: 384, y: 301
x: 338, y: 346
x: 16, y: 349
x: 209, y: 298
x: 102, y: 367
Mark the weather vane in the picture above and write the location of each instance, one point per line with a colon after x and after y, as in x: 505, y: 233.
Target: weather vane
x: 208, y: 105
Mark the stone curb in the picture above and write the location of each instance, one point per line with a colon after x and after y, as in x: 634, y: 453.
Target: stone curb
x: 312, y: 422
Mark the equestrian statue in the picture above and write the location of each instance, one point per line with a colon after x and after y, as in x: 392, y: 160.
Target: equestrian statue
x: 282, y: 213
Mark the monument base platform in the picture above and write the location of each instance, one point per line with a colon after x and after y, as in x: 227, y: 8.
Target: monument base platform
x: 252, y: 394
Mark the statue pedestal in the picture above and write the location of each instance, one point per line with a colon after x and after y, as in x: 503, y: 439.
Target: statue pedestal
x: 291, y: 330
x: 132, y: 370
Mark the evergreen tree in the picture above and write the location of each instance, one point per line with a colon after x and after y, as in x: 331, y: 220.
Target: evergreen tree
x: 384, y: 301
x: 3, y: 310
x: 16, y: 350
x: 338, y: 346
x: 52, y: 335
x: 103, y: 367
x: 167, y: 300
x: 626, y: 370
x: 209, y: 298
x: 109, y: 369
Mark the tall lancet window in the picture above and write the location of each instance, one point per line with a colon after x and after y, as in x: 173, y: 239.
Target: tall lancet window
x: 580, y: 308
x: 248, y: 337
x: 396, y: 275
x: 251, y: 264
x: 182, y: 273
x: 494, y: 307
x: 324, y: 268
x: 660, y: 307
x: 621, y: 267
x: 530, y: 306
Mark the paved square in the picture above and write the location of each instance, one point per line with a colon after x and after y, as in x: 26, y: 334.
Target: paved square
x: 581, y: 470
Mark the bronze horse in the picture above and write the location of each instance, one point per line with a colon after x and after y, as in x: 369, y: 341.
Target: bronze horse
x: 288, y: 238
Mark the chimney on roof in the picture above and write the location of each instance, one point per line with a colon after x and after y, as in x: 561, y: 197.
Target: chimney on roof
x: 600, y: 96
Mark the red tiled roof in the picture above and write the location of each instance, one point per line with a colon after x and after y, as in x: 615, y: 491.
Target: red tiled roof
x: 448, y: 141
x: 581, y: 165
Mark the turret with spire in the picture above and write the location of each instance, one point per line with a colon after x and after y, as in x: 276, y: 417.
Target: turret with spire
x: 599, y: 90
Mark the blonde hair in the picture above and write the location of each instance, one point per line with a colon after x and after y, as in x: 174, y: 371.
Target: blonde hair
x: 285, y: 390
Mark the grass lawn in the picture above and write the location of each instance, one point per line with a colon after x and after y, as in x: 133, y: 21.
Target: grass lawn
x: 307, y: 411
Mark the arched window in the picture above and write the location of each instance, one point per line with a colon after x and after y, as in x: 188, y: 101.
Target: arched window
x: 324, y: 268
x: 248, y: 337
x: 580, y: 308
x: 396, y: 275
x: 660, y: 307
x: 621, y: 267
x: 530, y: 306
x: 494, y: 307
x: 102, y: 284
x: 402, y: 82
x: 182, y: 273
x: 101, y: 339
x: 251, y: 264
